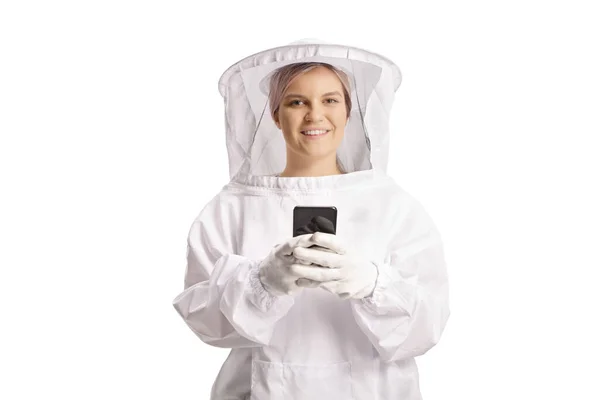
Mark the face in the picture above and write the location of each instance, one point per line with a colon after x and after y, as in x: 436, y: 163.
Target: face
x: 312, y: 113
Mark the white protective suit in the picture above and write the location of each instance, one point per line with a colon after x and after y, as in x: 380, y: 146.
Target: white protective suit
x: 314, y: 345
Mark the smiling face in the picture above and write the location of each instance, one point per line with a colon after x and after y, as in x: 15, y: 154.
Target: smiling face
x: 312, y: 114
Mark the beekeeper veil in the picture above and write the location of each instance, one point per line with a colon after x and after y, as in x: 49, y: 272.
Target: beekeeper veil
x: 254, y: 143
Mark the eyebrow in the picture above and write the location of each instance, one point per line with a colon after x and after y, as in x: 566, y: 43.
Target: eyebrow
x: 324, y: 94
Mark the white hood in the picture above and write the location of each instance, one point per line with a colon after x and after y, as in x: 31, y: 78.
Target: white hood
x: 254, y: 143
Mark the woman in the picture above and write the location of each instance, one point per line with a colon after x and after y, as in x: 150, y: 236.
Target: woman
x: 344, y: 320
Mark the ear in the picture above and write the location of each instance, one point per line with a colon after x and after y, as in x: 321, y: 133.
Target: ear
x: 276, y: 120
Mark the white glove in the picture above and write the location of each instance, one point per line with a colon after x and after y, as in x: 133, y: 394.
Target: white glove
x: 277, y: 271
x: 343, y: 273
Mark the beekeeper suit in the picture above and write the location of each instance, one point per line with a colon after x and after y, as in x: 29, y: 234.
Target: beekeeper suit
x: 326, y: 341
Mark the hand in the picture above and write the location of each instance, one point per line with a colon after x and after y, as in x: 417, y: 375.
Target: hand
x: 345, y: 274
x: 278, y: 272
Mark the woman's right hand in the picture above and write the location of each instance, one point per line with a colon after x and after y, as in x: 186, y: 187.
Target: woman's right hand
x: 277, y: 271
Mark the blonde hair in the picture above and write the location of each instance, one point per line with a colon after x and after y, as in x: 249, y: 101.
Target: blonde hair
x: 283, y: 77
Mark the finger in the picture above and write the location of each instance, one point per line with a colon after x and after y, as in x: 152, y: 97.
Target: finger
x: 328, y: 240
x: 317, y: 247
x: 331, y: 286
x: 316, y: 256
x: 307, y: 283
x: 318, y: 274
x: 303, y: 262
x: 334, y: 288
x: 288, y: 247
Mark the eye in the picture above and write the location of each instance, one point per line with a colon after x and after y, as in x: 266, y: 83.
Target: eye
x: 295, y: 102
x: 333, y: 101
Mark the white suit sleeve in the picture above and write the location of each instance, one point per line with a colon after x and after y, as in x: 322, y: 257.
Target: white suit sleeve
x: 224, y: 302
x: 407, y: 312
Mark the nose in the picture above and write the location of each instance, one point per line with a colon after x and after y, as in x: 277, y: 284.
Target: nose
x: 315, y: 113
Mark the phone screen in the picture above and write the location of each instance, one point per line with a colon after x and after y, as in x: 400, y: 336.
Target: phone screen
x: 308, y: 219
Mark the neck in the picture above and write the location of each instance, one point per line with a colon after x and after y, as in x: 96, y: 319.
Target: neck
x: 298, y: 166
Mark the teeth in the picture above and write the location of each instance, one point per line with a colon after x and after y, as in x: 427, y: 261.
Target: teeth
x: 310, y: 133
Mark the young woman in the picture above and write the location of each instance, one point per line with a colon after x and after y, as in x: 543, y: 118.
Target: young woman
x: 341, y: 321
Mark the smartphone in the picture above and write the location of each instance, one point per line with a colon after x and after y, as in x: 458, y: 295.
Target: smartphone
x: 309, y: 219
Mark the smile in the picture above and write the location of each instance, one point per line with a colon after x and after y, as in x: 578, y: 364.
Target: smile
x: 315, y: 133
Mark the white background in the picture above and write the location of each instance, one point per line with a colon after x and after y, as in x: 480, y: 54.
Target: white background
x: 113, y: 140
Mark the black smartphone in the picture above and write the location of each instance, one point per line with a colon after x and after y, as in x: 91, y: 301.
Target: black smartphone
x: 309, y: 219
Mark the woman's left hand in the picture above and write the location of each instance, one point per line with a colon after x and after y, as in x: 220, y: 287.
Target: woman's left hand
x: 355, y: 277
